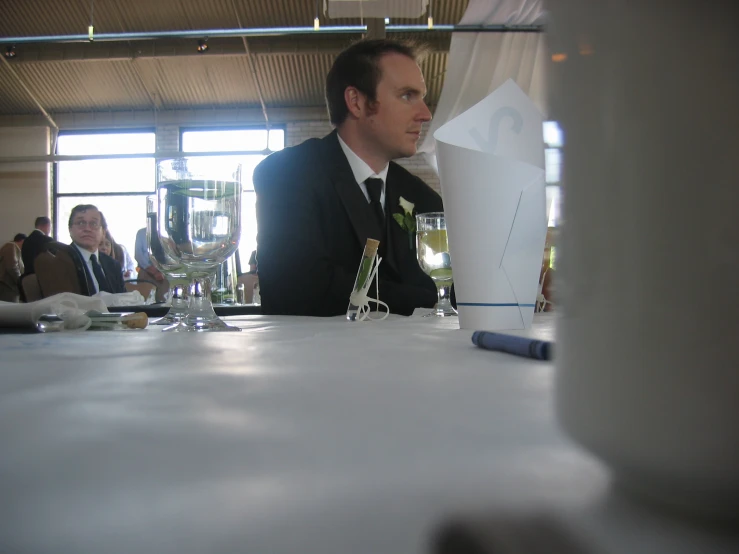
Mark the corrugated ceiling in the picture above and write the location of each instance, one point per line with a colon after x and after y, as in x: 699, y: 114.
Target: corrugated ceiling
x: 169, y: 74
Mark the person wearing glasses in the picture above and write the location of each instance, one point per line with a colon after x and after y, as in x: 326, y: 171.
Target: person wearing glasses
x: 86, y: 229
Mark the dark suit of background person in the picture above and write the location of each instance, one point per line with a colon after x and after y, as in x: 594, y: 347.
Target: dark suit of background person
x: 313, y: 217
x: 113, y: 272
x: 313, y: 224
x: 34, y: 244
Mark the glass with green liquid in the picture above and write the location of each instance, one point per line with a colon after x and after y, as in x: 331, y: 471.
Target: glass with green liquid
x: 432, y: 248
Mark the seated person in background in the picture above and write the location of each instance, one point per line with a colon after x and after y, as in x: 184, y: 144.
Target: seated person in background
x: 35, y: 243
x: 318, y: 202
x: 253, y: 262
x: 147, y: 270
x: 86, y: 229
x: 118, y: 252
x: 11, y: 269
x: 129, y: 266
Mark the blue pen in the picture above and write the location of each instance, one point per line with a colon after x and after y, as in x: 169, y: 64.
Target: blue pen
x: 520, y: 346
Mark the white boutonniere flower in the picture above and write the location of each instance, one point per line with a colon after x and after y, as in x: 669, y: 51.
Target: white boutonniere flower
x: 407, y: 206
x: 406, y: 220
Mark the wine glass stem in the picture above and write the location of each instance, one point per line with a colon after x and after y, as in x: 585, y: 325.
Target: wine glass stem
x: 179, y: 300
x: 200, y: 300
x: 444, y: 304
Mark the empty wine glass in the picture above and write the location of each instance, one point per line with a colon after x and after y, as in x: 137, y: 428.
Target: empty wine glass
x: 173, y: 270
x: 199, y: 201
x: 432, y: 248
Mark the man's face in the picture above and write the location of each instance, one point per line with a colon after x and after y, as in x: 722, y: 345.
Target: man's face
x: 86, y: 230
x: 45, y: 228
x: 392, y: 126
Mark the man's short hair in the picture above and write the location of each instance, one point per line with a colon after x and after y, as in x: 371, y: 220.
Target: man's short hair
x: 19, y: 236
x: 79, y: 208
x: 41, y: 220
x: 359, y: 66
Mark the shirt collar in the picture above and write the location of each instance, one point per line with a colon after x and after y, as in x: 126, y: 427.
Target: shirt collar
x: 85, y: 253
x: 360, y: 169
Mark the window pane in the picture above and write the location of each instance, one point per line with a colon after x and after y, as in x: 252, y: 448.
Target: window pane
x: 124, y: 214
x: 554, y: 205
x: 276, y: 139
x: 553, y: 134
x: 552, y: 165
x: 105, y: 143
x: 114, y: 175
x: 227, y: 140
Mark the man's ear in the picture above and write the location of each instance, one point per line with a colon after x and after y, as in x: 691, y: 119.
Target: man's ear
x: 355, y: 101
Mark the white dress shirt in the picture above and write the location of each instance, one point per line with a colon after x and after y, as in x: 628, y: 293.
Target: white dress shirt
x: 86, y: 256
x: 362, y: 171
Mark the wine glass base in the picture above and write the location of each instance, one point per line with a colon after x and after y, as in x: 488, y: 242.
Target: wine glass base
x: 170, y: 318
x: 444, y: 312
x: 202, y: 324
x: 179, y: 326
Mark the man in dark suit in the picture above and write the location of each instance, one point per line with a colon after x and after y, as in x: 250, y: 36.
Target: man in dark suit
x: 318, y: 202
x: 103, y: 273
x: 35, y: 243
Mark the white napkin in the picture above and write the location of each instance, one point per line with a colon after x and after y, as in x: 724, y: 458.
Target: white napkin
x: 68, y: 306
x: 133, y: 298
x: 491, y: 165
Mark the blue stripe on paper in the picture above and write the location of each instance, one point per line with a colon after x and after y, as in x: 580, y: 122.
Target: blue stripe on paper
x: 513, y: 305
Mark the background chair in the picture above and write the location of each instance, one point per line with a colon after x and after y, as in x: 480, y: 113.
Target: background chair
x: 142, y: 285
x: 60, y: 268
x: 31, y: 288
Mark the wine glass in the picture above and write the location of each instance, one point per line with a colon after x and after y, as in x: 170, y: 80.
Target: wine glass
x: 174, y: 271
x: 432, y: 248
x: 199, y: 201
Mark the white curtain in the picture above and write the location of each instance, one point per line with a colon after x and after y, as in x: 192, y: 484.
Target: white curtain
x: 481, y: 62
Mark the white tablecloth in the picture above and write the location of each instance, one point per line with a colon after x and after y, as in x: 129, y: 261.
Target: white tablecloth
x: 296, y: 435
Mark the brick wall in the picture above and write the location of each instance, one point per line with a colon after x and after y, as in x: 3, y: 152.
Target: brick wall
x: 303, y: 130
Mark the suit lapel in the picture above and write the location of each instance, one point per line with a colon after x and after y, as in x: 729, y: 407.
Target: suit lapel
x: 356, y: 206
x: 397, y: 239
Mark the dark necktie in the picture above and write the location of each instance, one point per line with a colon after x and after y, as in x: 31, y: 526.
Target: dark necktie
x: 374, y: 190
x: 103, y: 284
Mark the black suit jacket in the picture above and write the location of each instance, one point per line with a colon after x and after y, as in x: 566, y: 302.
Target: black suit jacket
x: 112, y: 269
x: 113, y: 272
x: 34, y: 244
x: 313, y: 222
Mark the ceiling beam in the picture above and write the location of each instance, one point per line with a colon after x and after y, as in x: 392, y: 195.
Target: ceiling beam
x: 97, y: 51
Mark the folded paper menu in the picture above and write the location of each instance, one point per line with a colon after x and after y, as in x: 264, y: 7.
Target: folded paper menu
x: 491, y: 166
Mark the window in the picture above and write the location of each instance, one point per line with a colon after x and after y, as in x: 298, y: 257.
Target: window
x: 117, y: 186
x: 255, y: 141
x: 553, y: 140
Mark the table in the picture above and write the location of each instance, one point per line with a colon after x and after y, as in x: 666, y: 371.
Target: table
x: 295, y: 435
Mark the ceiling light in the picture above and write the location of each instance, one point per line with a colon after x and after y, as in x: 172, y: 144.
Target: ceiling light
x: 10, y: 52
x: 203, y: 45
